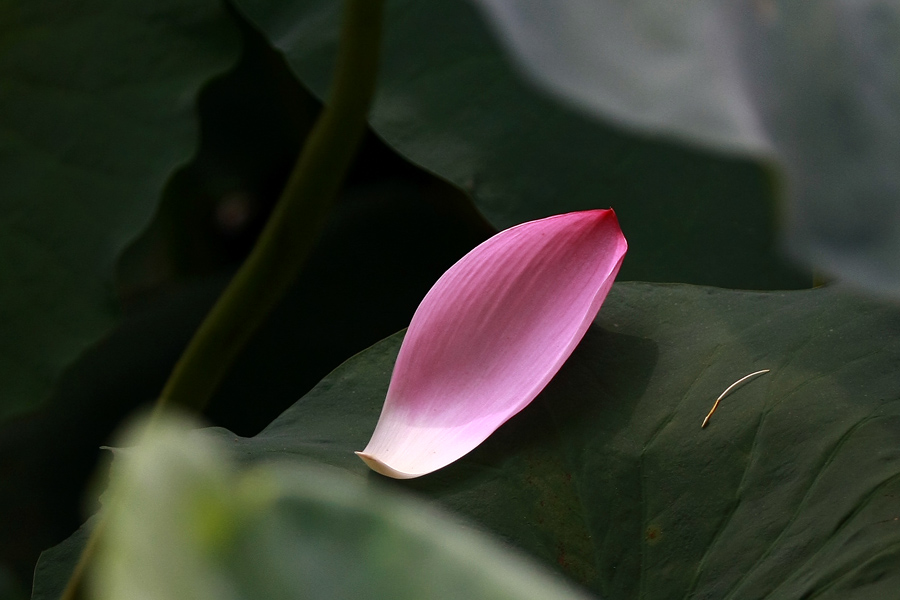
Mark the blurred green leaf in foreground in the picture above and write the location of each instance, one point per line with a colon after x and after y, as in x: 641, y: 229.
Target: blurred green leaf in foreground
x: 182, y: 523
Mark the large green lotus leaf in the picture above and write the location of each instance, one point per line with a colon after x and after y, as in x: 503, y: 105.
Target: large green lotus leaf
x: 179, y: 522
x: 96, y: 111
x: 790, y: 492
x: 449, y: 100
x: 812, y: 84
x: 56, y: 564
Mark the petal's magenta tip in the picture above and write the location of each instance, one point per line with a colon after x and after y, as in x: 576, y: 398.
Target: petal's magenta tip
x: 491, y: 333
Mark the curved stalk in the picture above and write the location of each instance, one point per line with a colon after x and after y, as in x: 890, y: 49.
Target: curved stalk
x: 296, y: 222
x: 288, y: 237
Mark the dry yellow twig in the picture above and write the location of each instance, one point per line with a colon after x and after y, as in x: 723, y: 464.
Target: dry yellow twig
x: 728, y: 389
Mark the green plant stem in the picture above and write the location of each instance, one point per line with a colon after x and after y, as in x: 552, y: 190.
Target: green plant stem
x: 289, y: 236
x: 295, y: 223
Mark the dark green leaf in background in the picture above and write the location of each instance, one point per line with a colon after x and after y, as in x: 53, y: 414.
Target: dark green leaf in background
x: 449, y: 100
x: 96, y: 111
x: 792, y: 491
x: 361, y: 284
x: 812, y: 85
x: 825, y: 75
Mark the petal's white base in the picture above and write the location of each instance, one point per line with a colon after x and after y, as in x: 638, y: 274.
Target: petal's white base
x: 386, y: 470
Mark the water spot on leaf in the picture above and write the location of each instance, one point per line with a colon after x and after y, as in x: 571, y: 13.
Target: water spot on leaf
x: 653, y: 534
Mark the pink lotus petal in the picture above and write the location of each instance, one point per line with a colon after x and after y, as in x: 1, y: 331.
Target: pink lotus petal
x: 490, y: 335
